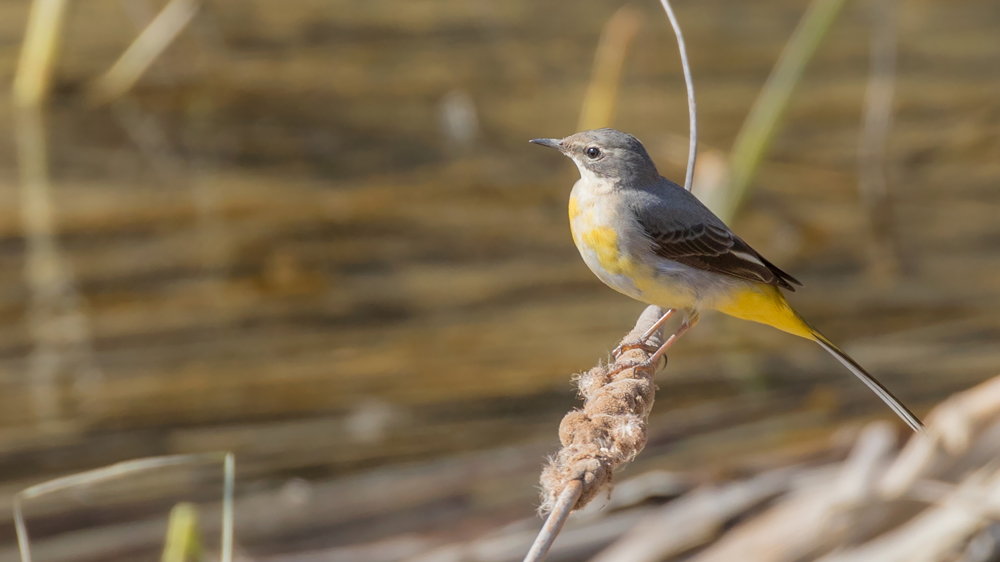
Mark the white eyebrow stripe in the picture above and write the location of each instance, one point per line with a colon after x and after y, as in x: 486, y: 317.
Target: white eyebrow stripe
x: 747, y: 257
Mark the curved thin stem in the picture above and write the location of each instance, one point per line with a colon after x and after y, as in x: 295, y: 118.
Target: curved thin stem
x: 554, y: 523
x: 692, y: 107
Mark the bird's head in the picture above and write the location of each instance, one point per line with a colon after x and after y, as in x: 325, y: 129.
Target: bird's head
x: 607, y: 156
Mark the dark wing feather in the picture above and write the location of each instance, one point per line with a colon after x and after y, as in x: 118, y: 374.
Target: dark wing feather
x: 716, y: 249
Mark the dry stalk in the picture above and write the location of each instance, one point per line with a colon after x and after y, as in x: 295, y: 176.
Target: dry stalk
x: 608, y: 432
x: 602, y: 93
x: 872, y: 148
x: 33, y: 80
x: 561, y: 508
x: 153, y: 40
x: 952, y: 427
x: 57, y: 323
x: 692, y: 106
x: 693, y: 519
x: 610, y: 429
x: 122, y: 470
x: 815, y: 518
x: 935, y: 533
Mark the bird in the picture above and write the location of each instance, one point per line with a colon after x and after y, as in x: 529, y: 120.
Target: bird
x: 654, y: 241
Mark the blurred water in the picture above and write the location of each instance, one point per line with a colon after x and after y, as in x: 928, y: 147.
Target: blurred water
x: 315, y: 235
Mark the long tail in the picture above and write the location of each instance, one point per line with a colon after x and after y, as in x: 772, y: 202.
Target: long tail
x: 766, y: 304
x: 883, y: 393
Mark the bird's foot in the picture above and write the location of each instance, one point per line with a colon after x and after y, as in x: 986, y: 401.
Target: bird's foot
x: 641, y: 342
x: 649, y: 365
x: 632, y: 345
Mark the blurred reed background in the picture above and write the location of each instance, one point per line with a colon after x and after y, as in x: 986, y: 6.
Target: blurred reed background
x: 314, y: 234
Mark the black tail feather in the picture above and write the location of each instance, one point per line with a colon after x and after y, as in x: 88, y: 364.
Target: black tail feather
x: 902, y: 411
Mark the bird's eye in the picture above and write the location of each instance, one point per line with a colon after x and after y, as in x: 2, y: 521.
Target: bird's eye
x: 593, y: 152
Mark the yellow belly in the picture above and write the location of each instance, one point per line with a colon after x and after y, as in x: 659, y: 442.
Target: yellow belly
x: 603, y: 243
x: 600, y: 241
x: 600, y: 248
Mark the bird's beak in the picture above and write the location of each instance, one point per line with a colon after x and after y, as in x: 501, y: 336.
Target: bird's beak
x: 551, y: 143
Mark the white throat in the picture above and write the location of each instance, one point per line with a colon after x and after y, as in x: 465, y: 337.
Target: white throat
x: 599, y: 185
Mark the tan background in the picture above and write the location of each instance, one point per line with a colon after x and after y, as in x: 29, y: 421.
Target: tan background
x: 278, y: 251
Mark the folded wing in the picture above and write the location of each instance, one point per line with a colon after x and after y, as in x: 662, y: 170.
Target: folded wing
x: 714, y: 248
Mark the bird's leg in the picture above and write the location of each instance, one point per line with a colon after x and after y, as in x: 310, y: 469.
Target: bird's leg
x: 689, y: 321
x: 641, y: 342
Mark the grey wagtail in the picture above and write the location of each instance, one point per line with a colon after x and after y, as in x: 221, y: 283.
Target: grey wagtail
x: 650, y: 239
